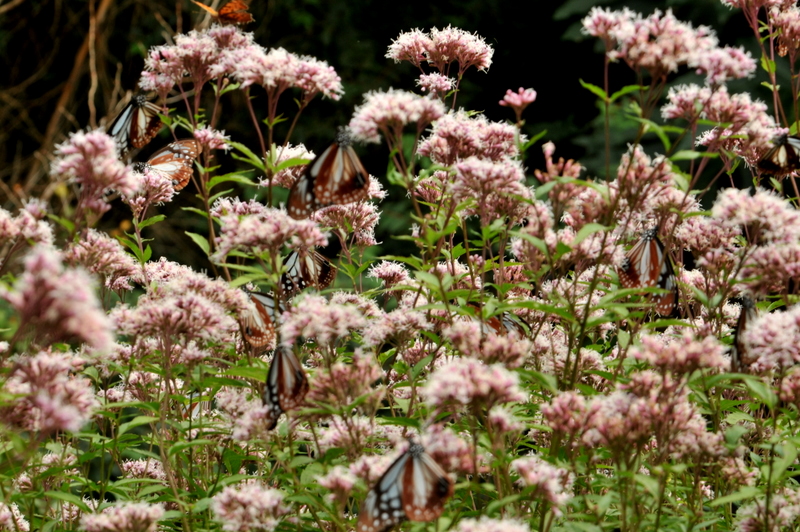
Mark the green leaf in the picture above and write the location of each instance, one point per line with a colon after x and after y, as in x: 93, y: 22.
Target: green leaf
x: 594, y: 89
x: 138, y: 421
x: 152, y: 220
x: 745, y: 493
x: 257, y: 374
x: 67, y: 497
x: 626, y: 90
x: 587, y: 230
x: 234, y: 177
x: 201, y: 241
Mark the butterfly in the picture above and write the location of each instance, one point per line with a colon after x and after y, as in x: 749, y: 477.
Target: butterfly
x: 739, y: 358
x: 304, y: 269
x: 234, y: 12
x: 334, y: 177
x: 136, y: 124
x: 175, y: 161
x: 286, y: 385
x: 414, y: 487
x: 784, y: 158
x: 646, y: 265
x: 258, y: 327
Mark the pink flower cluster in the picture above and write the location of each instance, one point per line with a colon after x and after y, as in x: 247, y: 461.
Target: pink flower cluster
x: 388, y: 112
x: 105, y: 257
x: 28, y: 224
x: 519, y: 100
x: 681, y: 355
x: 264, y: 231
x: 551, y: 483
x: 248, y: 507
x: 314, y: 317
x: 442, y: 47
x: 124, y: 517
x: 487, y: 524
x: 59, y: 303
x: 155, y: 188
x: 11, y: 518
x: 286, y: 155
x: 661, y: 44
x: 458, y: 135
x: 470, y: 382
x: 90, y: 159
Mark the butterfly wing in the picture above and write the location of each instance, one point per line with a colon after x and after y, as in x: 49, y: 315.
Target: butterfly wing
x: 414, y: 487
x: 304, y: 269
x: 666, y: 303
x: 210, y: 10
x: 783, y: 158
x: 235, y: 12
x: 336, y: 176
x: 136, y: 125
x: 286, y: 387
x: 425, y: 486
x: 258, y: 327
x: 643, y: 262
x: 176, y: 160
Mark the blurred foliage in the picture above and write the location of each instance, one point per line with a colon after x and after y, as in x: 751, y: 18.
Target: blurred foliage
x: 45, y: 70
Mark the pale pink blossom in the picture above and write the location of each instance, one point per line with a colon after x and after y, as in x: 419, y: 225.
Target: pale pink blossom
x: 265, y: 232
x: 290, y: 163
x: 519, y: 100
x: 248, y: 507
x: 453, y: 44
x: 90, y: 159
x: 314, y: 317
x: 681, y: 355
x: 411, y: 46
x: 468, y: 381
x: 124, y: 517
x: 388, y: 112
x: 494, y: 190
x: 212, y: 139
x: 436, y: 84
x: 155, y: 188
x: 487, y: 524
x: 103, y: 256
x: 58, y: 303
x: 457, y: 136
x: 391, y: 273
x: 551, y: 483
x: 11, y: 519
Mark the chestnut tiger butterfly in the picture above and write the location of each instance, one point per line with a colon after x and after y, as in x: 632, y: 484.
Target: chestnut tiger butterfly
x: 286, y: 387
x: 783, y: 158
x: 647, y: 265
x: 175, y: 161
x: 304, y: 269
x: 739, y: 356
x: 258, y: 327
x: 414, y: 487
x: 334, y: 177
x: 136, y: 125
x: 234, y: 12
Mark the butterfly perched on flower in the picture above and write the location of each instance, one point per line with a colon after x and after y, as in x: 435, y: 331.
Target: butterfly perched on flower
x: 783, y: 158
x: 335, y: 177
x: 234, y: 12
x: 647, y: 265
x: 414, y: 487
x: 286, y: 387
x: 175, y: 161
x: 306, y: 268
x: 136, y: 125
x: 258, y: 327
x: 739, y: 356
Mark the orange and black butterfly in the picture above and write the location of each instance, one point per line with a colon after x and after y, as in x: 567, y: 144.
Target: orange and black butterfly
x: 304, y: 269
x: 258, y: 327
x: 647, y: 265
x: 739, y: 356
x: 175, y: 161
x: 784, y: 158
x: 136, y: 124
x: 414, y: 487
x: 286, y: 387
x: 335, y: 177
x: 234, y: 12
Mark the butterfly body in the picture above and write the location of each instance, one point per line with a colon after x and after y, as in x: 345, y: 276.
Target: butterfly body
x: 335, y: 177
x: 136, y: 125
x: 739, y: 355
x: 414, y: 487
x: 646, y: 265
x: 175, y: 161
x: 234, y: 12
x: 783, y: 158
x: 286, y: 385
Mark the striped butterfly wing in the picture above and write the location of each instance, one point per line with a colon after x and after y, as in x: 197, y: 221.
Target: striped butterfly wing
x: 666, y: 303
x: 414, y: 487
x: 643, y: 263
x: 136, y: 125
x: 306, y: 269
x: 783, y: 158
x: 740, y: 358
x: 334, y: 177
x: 258, y: 327
x: 234, y: 12
x: 286, y: 387
x: 176, y: 161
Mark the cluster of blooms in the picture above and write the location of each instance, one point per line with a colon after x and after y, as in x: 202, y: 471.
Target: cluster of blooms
x: 124, y: 517
x: 248, y: 507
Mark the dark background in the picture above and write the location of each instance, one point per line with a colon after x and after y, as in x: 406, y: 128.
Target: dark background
x: 546, y: 51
